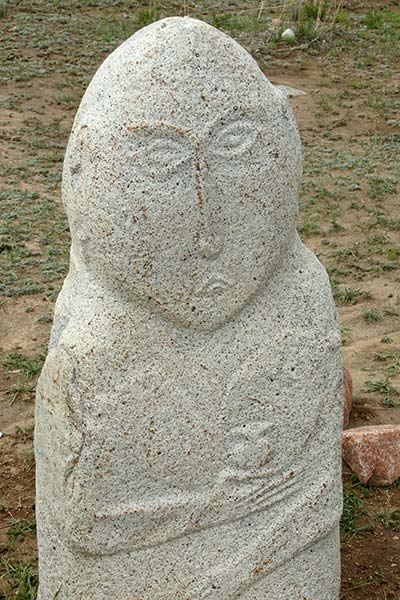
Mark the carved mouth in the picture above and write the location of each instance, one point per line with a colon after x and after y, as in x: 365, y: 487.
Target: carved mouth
x: 216, y: 285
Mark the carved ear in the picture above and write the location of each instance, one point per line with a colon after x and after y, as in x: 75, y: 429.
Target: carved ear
x: 289, y: 92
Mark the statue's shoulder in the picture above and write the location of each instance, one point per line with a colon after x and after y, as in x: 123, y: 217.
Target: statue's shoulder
x: 90, y: 342
x: 305, y: 300
x: 312, y: 282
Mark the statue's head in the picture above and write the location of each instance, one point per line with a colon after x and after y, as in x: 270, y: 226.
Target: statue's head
x: 181, y: 175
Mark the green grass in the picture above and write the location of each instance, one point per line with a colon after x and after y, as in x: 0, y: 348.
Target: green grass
x: 354, y: 520
x: 384, y: 388
x: 18, y: 529
x: 21, y: 578
x: 26, y: 365
x: 372, y: 315
x: 390, y: 519
x: 26, y: 369
x: 352, y: 295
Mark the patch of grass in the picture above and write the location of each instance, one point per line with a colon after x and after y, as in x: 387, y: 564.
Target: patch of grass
x: 373, y: 19
x: 384, y: 388
x: 25, y: 433
x: 146, y: 16
x: 354, y: 515
x: 67, y: 101
x: 391, y: 311
x: 345, y: 333
x: 309, y: 228
x: 380, y: 186
x: 389, y: 355
x: 13, y: 101
x: 22, y: 581
x: 352, y: 295
x: 381, y: 387
x: 19, y: 529
x: 19, y: 391
x: 372, y: 315
x: 26, y: 365
x: 390, y: 520
x: 311, y: 18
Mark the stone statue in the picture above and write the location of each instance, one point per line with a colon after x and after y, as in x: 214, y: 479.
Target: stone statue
x: 189, y: 414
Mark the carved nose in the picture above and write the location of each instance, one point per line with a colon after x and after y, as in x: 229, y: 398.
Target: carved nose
x: 210, y: 245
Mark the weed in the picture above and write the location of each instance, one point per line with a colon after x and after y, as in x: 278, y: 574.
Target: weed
x: 353, y: 295
x: 380, y: 186
x: 19, y: 529
x: 147, y: 16
x: 353, y: 514
x: 346, y: 335
x: 391, y: 520
x: 21, y: 390
x: 373, y: 19
x: 384, y: 388
x: 25, y: 433
x: 309, y: 228
x: 372, y: 315
x: 22, y: 580
x: 27, y: 366
x: 66, y: 100
x: 390, y: 311
x: 12, y: 102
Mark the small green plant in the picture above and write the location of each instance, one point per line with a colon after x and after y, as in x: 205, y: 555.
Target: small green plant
x: 22, y: 581
x: 393, y: 253
x: 390, y: 311
x: 353, y: 516
x: 346, y: 335
x: 65, y: 100
x: 372, y: 315
x: 147, y: 16
x: 381, y: 186
x: 19, y: 390
x: 389, y: 356
x: 384, y: 388
x: 25, y: 433
x: 391, y: 520
x: 353, y: 295
x: 27, y: 366
x: 309, y: 228
x: 19, y: 529
x: 373, y: 19
x: 312, y: 17
x: 3, y: 9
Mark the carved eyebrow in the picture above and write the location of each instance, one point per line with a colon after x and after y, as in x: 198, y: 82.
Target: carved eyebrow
x: 162, y: 127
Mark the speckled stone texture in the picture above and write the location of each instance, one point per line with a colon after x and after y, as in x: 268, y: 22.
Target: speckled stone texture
x: 189, y: 414
x: 373, y: 453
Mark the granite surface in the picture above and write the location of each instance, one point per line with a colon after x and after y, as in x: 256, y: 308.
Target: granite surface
x: 189, y: 413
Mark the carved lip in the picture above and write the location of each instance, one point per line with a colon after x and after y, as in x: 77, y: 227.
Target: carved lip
x: 215, y: 285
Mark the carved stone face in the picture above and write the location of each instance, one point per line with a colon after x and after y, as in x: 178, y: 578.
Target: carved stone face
x: 181, y: 175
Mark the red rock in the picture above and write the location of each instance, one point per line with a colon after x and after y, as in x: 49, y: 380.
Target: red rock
x: 348, y: 396
x: 373, y: 453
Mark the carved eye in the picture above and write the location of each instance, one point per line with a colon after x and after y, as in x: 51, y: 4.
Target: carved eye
x: 162, y: 156
x: 234, y: 139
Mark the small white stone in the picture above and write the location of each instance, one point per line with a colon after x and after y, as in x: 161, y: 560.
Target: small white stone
x: 290, y: 91
x: 288, y: 35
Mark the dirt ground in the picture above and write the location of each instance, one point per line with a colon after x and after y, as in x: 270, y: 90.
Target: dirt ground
x: 346, y: 60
